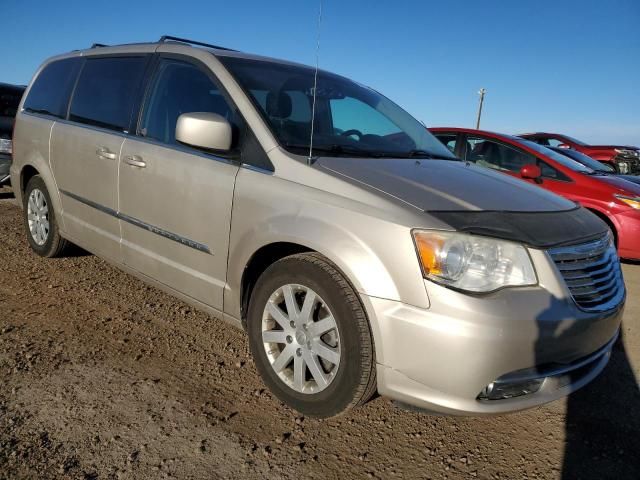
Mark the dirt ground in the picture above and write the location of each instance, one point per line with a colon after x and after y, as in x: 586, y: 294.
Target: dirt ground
x: 104, y: 377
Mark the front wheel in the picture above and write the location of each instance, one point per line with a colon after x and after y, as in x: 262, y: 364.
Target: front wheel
x: 310, y: 337
x: 40, y: 220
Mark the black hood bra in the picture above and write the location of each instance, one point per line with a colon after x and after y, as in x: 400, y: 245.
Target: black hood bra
x: 536, y: 229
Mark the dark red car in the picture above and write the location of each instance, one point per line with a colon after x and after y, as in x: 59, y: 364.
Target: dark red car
x: 613, y: 199
x: 625, y: 159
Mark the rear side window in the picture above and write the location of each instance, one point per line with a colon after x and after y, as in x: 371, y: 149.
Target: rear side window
x: 50, y: 91
x: 106, y: 91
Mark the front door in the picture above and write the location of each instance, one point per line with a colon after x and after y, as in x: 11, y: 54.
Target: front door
x: 175, y: 201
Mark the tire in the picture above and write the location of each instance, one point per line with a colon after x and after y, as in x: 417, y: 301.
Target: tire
x: 326, y: 385
x: 43, y: 233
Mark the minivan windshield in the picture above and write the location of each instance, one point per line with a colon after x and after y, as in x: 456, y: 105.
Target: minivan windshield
x: 350, y: 119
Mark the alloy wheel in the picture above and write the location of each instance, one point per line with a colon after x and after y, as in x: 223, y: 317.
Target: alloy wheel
x: 301, y: 338
x: 38, y: 217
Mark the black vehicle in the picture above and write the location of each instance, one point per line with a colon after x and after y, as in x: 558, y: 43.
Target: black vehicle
x: 10, y: 96
x: 595, y: 165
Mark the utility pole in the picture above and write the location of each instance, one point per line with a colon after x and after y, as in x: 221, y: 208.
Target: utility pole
x: 481, y: 92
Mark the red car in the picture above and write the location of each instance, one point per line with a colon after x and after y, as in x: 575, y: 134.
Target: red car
x: 615, y: 200
x: 624, y: 159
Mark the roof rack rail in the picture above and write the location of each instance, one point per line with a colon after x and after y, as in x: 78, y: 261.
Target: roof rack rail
x: 99, y: 45
x: 164, y: 38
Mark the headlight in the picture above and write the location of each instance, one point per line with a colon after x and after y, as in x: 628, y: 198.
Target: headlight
x: 633, y: 202
x: 472, y: 263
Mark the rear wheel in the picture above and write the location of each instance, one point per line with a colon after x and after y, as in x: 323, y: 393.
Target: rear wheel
x: 40, y: 220
x: 310, y: 337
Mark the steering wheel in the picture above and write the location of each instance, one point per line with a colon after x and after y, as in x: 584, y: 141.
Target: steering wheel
x: 353, y: 131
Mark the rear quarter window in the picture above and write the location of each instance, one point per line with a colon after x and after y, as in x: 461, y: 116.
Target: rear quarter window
x: 106, y: 90
x: 50, y: 91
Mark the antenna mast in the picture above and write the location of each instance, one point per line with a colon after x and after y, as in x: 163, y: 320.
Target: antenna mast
x: 315, y: 86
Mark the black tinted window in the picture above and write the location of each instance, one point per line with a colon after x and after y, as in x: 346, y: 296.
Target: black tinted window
x: 50, y: 91
x: 549, y: 172
x: 9, y: 100
x: 179, y: 88
x: 106, y: 91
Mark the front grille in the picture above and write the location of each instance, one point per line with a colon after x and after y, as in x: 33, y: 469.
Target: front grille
x: 592, y: 273
x: 628, y: 162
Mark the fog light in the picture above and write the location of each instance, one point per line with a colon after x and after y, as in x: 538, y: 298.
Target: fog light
x: 503, y: 390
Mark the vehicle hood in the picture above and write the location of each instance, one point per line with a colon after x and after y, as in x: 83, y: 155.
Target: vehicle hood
x: 443, y: 185
x: 628, y: 184
x: 630, y: 178
x: 610, y: 147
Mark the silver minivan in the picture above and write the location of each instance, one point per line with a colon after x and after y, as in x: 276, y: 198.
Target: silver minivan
x: 356, y: 251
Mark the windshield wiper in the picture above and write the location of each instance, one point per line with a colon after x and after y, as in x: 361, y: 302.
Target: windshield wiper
x: 336, y: 149
x: 39, y: 110
x: 417, y: 153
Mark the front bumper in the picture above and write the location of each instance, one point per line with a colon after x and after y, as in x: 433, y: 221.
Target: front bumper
x: 440, y: 359
x: 628, y: 226
x: 5, y: 166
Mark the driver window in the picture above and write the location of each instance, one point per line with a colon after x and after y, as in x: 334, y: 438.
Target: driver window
x: 178, y: 88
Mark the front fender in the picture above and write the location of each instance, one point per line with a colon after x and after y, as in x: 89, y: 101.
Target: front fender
x: 376, y: 255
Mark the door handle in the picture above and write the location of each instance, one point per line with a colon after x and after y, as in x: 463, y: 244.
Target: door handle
x: 135, y: 161
x: 104, y: 152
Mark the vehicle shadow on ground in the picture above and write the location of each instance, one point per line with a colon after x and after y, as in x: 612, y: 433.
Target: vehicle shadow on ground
x: 603, y: 424
x: 602, y: 420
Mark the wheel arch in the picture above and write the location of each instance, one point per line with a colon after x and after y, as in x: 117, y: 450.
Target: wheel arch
x: 605, y: 218
x: 26, y: 174
x: 261, y: 260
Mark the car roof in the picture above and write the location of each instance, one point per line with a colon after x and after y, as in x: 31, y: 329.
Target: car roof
x: 540, y: 134
x: 476, y: 131
x: 11, y: 86
x: 149, y: 47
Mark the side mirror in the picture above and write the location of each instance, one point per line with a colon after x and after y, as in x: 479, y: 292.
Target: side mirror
x: 531, y: 172
x: 204, y: 130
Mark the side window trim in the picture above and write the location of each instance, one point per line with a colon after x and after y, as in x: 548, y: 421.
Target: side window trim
x: 459, y: 145
x: 73, y: 89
